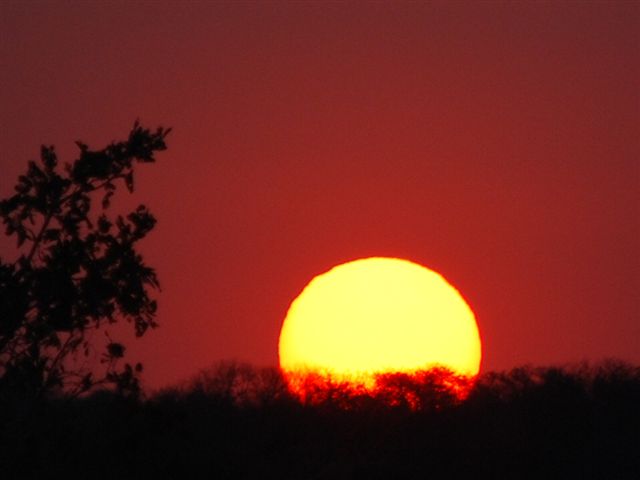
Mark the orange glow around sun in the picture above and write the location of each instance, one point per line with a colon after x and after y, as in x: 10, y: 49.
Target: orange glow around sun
x: 376, y: 316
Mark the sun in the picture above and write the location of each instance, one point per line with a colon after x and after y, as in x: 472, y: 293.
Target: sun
x: 378, y: 315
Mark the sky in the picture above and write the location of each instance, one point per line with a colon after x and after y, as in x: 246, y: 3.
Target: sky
x: 494, y: 142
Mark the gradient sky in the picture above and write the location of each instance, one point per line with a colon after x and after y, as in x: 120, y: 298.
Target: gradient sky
x: 496, y: 143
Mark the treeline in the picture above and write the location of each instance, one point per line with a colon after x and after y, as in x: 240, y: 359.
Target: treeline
x: 236, y: 421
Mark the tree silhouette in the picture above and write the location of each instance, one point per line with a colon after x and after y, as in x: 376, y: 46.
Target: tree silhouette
x: 236, y: 421
x: 77, y: 270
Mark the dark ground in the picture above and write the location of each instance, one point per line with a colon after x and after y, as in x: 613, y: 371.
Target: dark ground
x: 238, y: 422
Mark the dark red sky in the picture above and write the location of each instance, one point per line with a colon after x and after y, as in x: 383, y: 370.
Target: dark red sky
x: 496, y: 143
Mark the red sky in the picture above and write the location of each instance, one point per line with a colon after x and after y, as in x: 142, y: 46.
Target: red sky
x: 496, y: 143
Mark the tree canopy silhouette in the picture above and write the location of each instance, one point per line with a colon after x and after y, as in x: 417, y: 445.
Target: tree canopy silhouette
x: 77, y: 269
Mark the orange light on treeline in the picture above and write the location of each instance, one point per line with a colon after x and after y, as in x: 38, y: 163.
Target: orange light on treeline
x: 419, y: 390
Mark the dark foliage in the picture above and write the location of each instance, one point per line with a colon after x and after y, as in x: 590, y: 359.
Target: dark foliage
x: 238, y: 422
x: 77, y: 270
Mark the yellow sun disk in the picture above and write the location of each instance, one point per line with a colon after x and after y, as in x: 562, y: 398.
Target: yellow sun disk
x: 379, y: 315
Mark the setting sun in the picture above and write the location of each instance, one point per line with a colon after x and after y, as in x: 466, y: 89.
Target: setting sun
x: 379, y: 315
